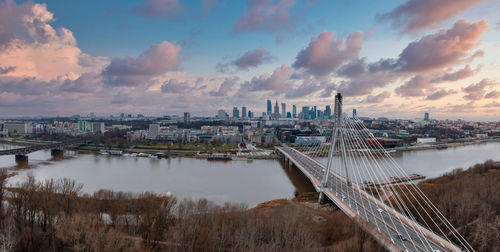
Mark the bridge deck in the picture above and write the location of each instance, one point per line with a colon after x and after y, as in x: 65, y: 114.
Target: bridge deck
x: 384, y: 223
x: 33, y: 148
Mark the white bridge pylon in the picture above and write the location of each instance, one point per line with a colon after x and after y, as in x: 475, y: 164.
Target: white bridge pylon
x: 353, y: 170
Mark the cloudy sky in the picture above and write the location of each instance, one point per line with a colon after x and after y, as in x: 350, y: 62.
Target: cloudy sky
x: 388, y: 58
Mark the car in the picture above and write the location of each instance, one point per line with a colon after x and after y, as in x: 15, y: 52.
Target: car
x: 436, y: 250
x: 402, y: 237
x: 380, y: 210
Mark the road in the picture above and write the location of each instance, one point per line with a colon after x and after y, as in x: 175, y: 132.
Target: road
x: 356, y: 202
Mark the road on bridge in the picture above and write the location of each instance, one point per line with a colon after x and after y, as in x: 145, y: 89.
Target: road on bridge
x: 355, y: 202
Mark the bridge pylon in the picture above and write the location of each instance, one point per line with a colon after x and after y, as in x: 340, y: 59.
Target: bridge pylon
x: 337, y: 145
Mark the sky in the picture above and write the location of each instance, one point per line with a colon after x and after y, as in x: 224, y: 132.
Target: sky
x: 395, y: 59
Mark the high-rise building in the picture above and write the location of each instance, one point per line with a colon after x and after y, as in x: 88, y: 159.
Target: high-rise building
x: 276, y: 111
x: 426, y: 116
x: 187, y: 117
x: 294, y: 111
x: 315, y: 113
x: 154, y: 131
x: 269, y: 108
x: 236, y: 112
x: 354, y: 113
x: 328, y: 111
x: 305, y: 112
x: 244, y: 112
x: 288, y: 115
x: 82, y: 126
x: 250, y: 114
x: 283, y: 110
x: 222, y: 115
x: 98, y: 127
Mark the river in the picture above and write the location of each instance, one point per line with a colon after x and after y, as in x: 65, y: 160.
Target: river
x: 248, y: 182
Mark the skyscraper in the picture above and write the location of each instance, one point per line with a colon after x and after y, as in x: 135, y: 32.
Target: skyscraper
x: 328, y: 111
x: 354, y: 113
x: 288, y: 115
x: 236, y: 112
x: 294, y: 112
x: 283, y: 110
x: 426, y: 116
x: 269, y: 108
x: 187, y: 117
x: 276, y: 111
x: 305, y: 112
x: 243, y: 112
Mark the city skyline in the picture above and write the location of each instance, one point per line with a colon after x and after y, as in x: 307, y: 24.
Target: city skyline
x: 388, y: 59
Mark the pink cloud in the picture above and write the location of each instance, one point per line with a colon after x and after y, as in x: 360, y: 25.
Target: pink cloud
x: 264, y: 14
x: 416, y: 15
x: 492, y: 95
x: 324, y: 55
x: 463, y: 73
x: 416, y: 86
x: 377, y: 98
x: 278, y: 81
x: 253, y: 58
x: 476, y: 91
x: 158, y: 59
x: 444, y: 48
x: 174, y: 86
x: 160, y: 9
x: 226, y: 87
x: 440, y: 94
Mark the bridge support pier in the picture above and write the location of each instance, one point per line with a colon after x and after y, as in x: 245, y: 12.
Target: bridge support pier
x: 56, y: 152
x: 21, y: 159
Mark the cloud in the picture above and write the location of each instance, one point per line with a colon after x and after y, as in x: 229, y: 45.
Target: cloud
x: 440, y: 94
x: 416, y: 86
x: 492, y: 105
x: 86, y: 83
x: 303, y: 90
x: 278, y: 81
x: 226, y: 87
x: 463, y: 73
x: 265, y: 15
x: 252, y: 58
x: 167, y: 9
x: 324, y: 55
x: 249, y: 59
x: 416, y: 15
x: 174, y: 86
x: 31, y: 46
x: 476, y: 91
x: 492, y: 95
x: 377, y: 98
x: 5, y: 70
x: 157, y: 60
x: 444, y: 48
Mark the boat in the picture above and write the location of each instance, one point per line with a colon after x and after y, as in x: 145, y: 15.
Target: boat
x: 142, y: 155
x: 115, y: 152
x: 442, y: 147
x: 103, y: 152
x: 218, y: 157
x: 241, y: 159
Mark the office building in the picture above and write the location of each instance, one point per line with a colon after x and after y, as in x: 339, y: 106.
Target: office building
x: 82, y: 126
x: 154, y: 131
x: 305, y: 112
x: 244, y: 112
x: 288, y: 115
x: 276, y: 111
x: 328, y: 111
x: 283, y: 110
x: 16, y: 127
x: 426, y: 116
x: 98, y: 128
x: 236, y: 112
x: 294, y: 111
x: 187, y: 117
x: 354, y: 113
x: 269, y: 108
x: 222, y: 115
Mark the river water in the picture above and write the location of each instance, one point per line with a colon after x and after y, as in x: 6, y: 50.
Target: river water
x: 248, y: 182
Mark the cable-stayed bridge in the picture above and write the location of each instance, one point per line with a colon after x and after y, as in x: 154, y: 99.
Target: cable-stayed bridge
x: 355, y: 177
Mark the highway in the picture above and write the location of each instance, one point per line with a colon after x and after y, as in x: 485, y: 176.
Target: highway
x: 382, y: 218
